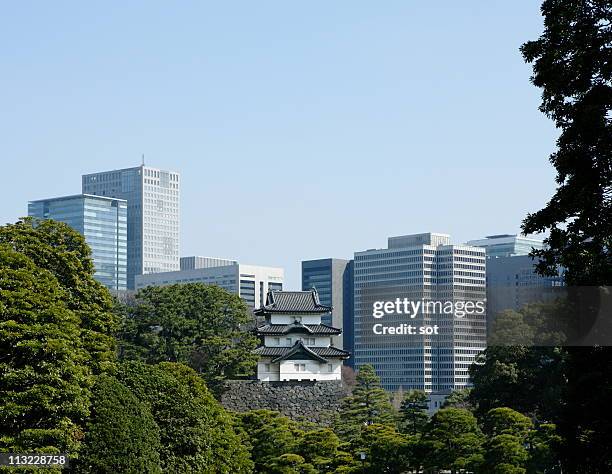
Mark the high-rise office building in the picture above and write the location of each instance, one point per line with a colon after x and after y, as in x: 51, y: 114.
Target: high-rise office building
x: 250, y: 282
x: 507, y: 245
x: 153, y: 197
x: 512, y: 283
x: 511, y: 278
x: 426, y: 268
x: 103, y: 223
x: 333, y: 279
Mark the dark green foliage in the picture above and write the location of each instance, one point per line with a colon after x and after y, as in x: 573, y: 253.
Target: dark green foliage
x: 121, y: 434
x: 506, y: 421
x: 413, y: 412
x: 196, y: 433
x: 270, y: 435
x: 56, y: 247
x: 203, y: 326
x: 452, y: 440
x: 572, y: 64
x: 44, y: 383
x: 459, y: 399
x: 543, y: 444
x: 505, y: 453
x: 322, y: 449
x: 528, y: 380
x: 385, y: 450
x: 368, y: 404
x: 290, y: 464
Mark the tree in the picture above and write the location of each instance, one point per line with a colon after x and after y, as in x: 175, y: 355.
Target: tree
x: 270, y: 435
x: 290, y: 464
x: 459, y: 399
x: 59, y: 249
x: 121, y: 433
x: 529, y: 380
x: 507, y: 421
x: 572, y: 65
x: 505, y: 453
x: 200, y: 325
x: 413, y: 412
x: 543, y: 443
x: 385, y: 449
x: 368, y: 404
x: 452, y: 440
x: 321, y: 448
x: 45, y: 380
x: 196, y: 433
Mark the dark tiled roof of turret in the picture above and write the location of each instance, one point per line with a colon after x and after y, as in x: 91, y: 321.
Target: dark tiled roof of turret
x: 293, y: 302
x: 279, y: 329
x: 284, y: 352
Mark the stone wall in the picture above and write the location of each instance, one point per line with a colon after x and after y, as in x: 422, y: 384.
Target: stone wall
x: 310, y: 401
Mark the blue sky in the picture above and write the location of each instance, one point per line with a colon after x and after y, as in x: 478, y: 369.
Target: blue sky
x: 301, y: 129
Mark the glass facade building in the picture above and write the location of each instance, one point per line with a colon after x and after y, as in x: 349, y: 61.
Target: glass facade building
x: 103, y: 223
x: 333, y: 279
x: 153, y: 198
x: 420, y: 267
x: 507, y: 245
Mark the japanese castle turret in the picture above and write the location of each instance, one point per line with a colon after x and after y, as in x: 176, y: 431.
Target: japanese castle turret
x: 296, y: 345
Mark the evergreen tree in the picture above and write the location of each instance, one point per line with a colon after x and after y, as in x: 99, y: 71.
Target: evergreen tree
x: 203, y: 326
x: 45, y: 382
x: 368, y: 404
x: 572, y: 64
x: 270, y: 436
x: 385, y: 450
x: 121, y: 433
x: 196, y: 434
x: 452, y: 440
x: 59, y: 249
x: 413, y: 412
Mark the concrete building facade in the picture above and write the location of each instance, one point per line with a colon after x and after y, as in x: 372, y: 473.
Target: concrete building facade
x: 250, y: 282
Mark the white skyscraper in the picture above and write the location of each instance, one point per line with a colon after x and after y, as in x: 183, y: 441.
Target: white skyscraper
x: 420, y: 267
x: 153, y: 198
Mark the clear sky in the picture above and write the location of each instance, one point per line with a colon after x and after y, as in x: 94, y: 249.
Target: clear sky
x: 302, y: 130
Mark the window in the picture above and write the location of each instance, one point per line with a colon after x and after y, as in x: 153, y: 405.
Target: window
x: 289, y: 341
x: 330, y: 367
x: 300, y: 367
x: 267, y: 367
x: 277, y: 341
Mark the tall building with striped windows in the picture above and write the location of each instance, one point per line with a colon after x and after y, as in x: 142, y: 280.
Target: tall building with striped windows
x: 153, y: 223
x: 420, y: 268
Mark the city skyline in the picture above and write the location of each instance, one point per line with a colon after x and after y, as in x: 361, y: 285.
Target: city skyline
x: 359, y: 114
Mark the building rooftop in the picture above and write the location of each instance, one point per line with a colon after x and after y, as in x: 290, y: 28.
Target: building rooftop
x: 317, y: 353
x: 293, y: 302
x: 279, y: 329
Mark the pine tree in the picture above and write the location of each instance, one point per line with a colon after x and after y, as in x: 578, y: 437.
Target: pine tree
x: 368, y: 404
x: 413, y: 412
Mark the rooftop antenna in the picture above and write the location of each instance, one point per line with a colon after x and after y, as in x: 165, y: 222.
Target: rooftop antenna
x: 143, y: 162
